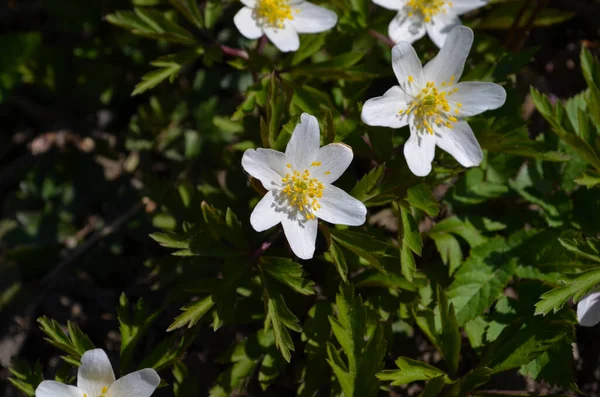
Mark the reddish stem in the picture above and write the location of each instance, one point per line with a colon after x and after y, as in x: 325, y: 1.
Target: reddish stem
x: 234, y: 52
x: 384, y: 39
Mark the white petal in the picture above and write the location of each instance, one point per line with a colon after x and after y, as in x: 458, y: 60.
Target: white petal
x: 136, y: 384
x: 407, y: 65
x: 441, y: 25
x: 311, y: 18
x: 463, y: 6
x: 265, y: 214
x: 419, y: 151
x: 285, y: 38
x: 450, y: 61
x: 477, y: 97
x: 95, y: 373
x: 303, y: 147
x: 384, y: 111
x: 340, y: 208
x: 301, y: 234
x: 335, y: 158
x: 249, y: 3
x: 246, y: 24
x: 406, y: 28
x: 266, y: 165
x: 391, y: 4
x: 50, y: 388
x: 588, y: 309
x: 461, y: 143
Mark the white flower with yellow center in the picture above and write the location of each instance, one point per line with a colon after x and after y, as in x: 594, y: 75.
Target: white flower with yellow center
x: 434, y: 17
x: 300, y: 190
x: 433, y: 103
x: 95, y: 378
x: 282, y: 20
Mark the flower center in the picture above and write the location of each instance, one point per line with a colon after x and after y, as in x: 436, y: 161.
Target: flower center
x: 303, y: 191
x: 431, y: 107
x: 104, y: 391
x: 428, y: 8
x: 273, y: 13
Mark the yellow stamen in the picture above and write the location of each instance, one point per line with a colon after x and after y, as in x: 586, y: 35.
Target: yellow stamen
x: 428, y: 8
x: 431, y: 108
x: 303, y: 191
x: 273, y: 13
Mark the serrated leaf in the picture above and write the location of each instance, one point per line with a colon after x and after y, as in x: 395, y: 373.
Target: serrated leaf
x: 340, y: 262
x: 409, y: 371
x: 288, y: 273
x: 362, y: 245
x: 133, y: 325
x: 554, y: 366
x: 368, y: 186
x: 481, y: 279
x: 189, y: 9
x: 554, y: 299
x: 192, y: 313
x: 25, y: 377
x: 364, y: 351
x: 588, y: 248
x: 521, y: 342
x: 421, y: 197
x: 450, y: 338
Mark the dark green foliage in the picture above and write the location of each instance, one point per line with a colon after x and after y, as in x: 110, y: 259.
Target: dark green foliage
x: 126, y: 211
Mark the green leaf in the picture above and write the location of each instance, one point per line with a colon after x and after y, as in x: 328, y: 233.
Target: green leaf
x: 75, y: 344
x: 364, y: 350
x: 555, y: 365
x: 450, y: 339
x: 410, y: 239
x: 25, y: 377
x: 363, y: 245
x: 151, y: 24
x: 338, y: 259
x: 189, y: 9
x: 481, y: 279
x: 421, y: 197
x: 316, y: 332
x: 133, y: 325
x: 434, y: 387
x: 278, y: 315
x: 588, y: 248
x: 168, y: 68
x: 502, y: 16
x: 368, y: 186
x: 288, y: 273
x: 554, y: 299
x: 409, y: 371
x: 588, y: 179
x: 475, y: 378
x: 339, y: 67
x: 521, y: 342
x: 309, y: 45
x: 192, y: 313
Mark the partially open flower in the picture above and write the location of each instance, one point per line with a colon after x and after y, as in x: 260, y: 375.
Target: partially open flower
x: 95, y: 378
x: 434, y: 17
x: 433, y: 103
x: 300, y: 190
x: 282, y: 20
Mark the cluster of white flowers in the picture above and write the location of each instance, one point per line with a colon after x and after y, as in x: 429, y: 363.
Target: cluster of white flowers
x: 429, y: 99
x: 95, y: 378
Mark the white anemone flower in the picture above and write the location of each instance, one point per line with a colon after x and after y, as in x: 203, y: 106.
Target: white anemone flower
x: 300, y: 190
x: 95, y: 378
x: 282, y: 20
x: 433, y: 103
x: 588, y: 309
x: 434, y: 17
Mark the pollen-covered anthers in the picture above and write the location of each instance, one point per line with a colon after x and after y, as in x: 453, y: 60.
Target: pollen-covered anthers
x: 430, y: 107
x: 104, y: 391
x: 428, y: 8
x: 274, y: 13
x: 303, y: 191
